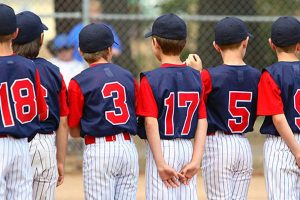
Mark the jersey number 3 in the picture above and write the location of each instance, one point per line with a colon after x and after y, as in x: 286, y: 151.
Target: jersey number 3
x: 240, y: 112
x: 183, y: 99
x: 23, y: 96
x: 119, y: 102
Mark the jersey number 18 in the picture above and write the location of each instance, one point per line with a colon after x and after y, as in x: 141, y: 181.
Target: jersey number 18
x: 23, y: 96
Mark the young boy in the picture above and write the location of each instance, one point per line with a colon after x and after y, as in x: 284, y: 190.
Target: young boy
x: 231, y: 97
x: 21, y: 101
x: 171, y: 104
x: 46, y: 158
x: 102, y: 102
x: 279, y: 101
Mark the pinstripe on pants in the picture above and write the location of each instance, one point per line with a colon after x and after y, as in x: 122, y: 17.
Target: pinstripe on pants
x: 110, y: 169
x: 15, y: 171
x: 282, y: 173
x: 227, y: 167
x: 44, y: 166
x: 176, y: 153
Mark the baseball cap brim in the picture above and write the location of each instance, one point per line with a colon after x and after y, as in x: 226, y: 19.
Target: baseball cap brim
x: 250, y: 35
x: 149, y: 34
x: 44, y: 27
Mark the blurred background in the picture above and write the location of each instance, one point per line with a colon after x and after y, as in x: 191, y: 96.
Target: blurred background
x: 131, y: 19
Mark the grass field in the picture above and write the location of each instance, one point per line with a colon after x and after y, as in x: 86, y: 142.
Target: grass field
x: 73, y: 188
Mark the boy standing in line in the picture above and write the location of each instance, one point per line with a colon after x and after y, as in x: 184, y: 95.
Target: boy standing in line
x: 48, y: 147
x: 172, y: 112
x: 231, y: 99
x: 21, y: 105
x: 102, y: 103
x: 279, y: 101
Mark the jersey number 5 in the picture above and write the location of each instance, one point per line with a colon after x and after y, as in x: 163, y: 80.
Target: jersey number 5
x: 119, y: 102
x: 183, y: 99
x: 23, y: 96
x: 240, y: 112
x: 297, y: 107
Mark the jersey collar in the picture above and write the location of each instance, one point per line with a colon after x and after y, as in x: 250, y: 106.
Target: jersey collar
x: 95, y: 64
x: 164, y: 65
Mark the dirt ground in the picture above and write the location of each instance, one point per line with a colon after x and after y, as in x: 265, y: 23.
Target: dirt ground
x: 73, y: 188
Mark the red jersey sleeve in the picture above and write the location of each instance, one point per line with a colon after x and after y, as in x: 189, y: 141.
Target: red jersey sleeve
x: 40, y: 99
x: 147, y: 106
x: 202, y: 107
x: 76, y: 102
x: 136, y: 93
x: 269, y: 99
x: 206, y: 80
x: 63, y: 98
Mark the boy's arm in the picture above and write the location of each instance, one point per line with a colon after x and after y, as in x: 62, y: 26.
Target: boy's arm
x: 168, y: 175
x: 62, y: 132
x: 191, y: 169
x: 287, y: 135
x: 76, y: 101
x: 61, y: 143
x: 147, y: 108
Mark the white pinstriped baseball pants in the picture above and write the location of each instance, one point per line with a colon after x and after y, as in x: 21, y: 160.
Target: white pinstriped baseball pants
x: 44, y: 166
x: 282, y: 173
x: 227, y: 167
x: 177, y: 153
x: 110, y: 169
x: 15, y: 170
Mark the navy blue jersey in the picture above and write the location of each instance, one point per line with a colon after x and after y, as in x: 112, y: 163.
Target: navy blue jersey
x: 231, y: 98
x: 51, y: 81
x: 18, y: 97
x: 286, y: 76
x: 177, y: 94
x: 109, y: 101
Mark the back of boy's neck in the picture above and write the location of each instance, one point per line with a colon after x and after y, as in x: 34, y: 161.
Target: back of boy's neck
x: 6, y: 49
x: 233, y: 60
x: 287, y: 57
x: 100, y: 61
x: 171, y: 59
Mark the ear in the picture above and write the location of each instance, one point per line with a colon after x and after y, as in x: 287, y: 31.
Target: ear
x: 110, y: 50
x: 271, y: 44
x: 217, y: 48
x: 245, y: 42
x: 15, y: 34
x: 155, y: 43
x: 80, y: 52
x: 298, y: 47
x: 42, y: 39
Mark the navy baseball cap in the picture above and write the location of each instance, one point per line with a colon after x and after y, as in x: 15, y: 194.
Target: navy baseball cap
x: 30, y: 27
x: 8, y: 23
x: 230, y: 30
x: 168, y: 26
x: 285, y: 31
x: 95, y: 37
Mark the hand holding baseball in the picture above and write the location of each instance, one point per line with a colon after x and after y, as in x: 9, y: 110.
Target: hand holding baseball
x: 194, y: 61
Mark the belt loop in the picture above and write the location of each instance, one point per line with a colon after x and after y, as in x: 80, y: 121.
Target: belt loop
x: 126, y: 136
x: 110, y: 138
x: 89, y: 139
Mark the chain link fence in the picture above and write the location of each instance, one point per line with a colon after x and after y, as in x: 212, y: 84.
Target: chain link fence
x: 131, y: 19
